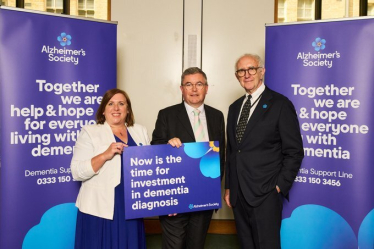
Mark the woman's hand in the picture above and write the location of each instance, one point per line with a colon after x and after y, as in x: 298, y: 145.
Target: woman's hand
x: 114, y: 148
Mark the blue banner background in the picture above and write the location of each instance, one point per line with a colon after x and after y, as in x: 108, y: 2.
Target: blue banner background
x: 327, y: 209
x: 37, y: 209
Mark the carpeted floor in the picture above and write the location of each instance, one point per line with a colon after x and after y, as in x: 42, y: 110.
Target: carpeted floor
x: 213, y: 241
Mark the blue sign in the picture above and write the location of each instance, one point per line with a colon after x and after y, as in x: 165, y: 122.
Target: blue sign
x: 161, y: 180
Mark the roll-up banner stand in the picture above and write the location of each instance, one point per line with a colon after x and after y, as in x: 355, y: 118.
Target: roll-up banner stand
x: 326, y: 69
x: 53, y: 71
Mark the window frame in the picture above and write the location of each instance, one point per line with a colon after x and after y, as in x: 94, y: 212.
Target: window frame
x: 304, y: 9
x: 54, y: 7
x: 65, y: 7
x: 363, y: 11
x: 284, y: 10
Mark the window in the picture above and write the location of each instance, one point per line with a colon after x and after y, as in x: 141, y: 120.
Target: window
x: 54, y: 6
x: 10, y: 3
x: 90, y: 8
x: 305, y: 10
x: 340, y: 9
x: 371, y: 8
x: 282, y: 11
x: 86, y: 8
x: 295, y: 10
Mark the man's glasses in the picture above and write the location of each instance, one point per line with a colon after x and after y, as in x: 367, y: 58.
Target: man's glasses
x: 251, y: 71
x: 198, y: 85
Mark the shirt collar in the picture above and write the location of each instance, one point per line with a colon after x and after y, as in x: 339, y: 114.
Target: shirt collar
x: 190, y: 108
x: 257, y: 93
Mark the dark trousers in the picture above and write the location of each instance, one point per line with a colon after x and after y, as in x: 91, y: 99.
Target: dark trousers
x: 185, y: 231
x: 259, y: 227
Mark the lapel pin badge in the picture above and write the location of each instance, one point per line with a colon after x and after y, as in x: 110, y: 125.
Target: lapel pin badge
x: 265, y: 106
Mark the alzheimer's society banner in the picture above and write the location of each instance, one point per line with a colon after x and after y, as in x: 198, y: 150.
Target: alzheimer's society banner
x: 53, y: 72
x: 325, y: 68
x: 160, y: 179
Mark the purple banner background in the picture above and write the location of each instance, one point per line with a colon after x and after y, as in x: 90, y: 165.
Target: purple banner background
x: 331, y: 202
x: 34, y: 185
x: 194, y: 166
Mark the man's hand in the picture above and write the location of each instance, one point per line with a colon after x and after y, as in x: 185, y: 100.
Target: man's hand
x: 175, y: 142
x: 278, y: 189
x: 227, y: 197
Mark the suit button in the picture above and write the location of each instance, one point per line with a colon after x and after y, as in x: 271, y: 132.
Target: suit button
x: 239, y: 151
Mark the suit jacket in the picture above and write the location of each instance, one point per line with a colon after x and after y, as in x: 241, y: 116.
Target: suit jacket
x: 270, y: 152
x: 173, y: 122
x: 96, y: 195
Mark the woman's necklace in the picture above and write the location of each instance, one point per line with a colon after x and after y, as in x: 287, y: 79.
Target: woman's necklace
x: 121, y: 131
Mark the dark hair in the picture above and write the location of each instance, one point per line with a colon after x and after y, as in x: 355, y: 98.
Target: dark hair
x: 100, y: 118
x: 193, y: 70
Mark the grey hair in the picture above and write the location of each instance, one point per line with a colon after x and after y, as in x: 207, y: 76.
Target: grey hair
x: 256, y: 57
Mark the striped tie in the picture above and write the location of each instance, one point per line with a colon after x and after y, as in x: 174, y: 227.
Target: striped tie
x: 198, y: 127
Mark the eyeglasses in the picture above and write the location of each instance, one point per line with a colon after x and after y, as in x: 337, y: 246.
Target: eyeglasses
x: 198, y: 85
x: 251, y: 71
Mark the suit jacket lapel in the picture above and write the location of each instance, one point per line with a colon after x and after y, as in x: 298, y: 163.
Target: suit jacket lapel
x: 185, y: 120
x: 210, y: 120
x: 263, y: 105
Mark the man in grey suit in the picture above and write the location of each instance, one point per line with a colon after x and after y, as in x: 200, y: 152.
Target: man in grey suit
x: 174, y: 126
x: 263, y: 156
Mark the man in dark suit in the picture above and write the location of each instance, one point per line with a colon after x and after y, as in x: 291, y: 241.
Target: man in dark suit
x: 174, y: 126
x: 263, y: 156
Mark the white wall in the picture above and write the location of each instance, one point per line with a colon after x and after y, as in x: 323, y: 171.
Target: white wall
x: 149, y: 54
x: 150, y: 50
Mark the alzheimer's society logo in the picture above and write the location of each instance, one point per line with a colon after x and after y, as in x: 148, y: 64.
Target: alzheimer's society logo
x: 319, y: 44
x: 62, y: 53
x: 317, y: 58
x: 206, y: 205
x: 64, y: 39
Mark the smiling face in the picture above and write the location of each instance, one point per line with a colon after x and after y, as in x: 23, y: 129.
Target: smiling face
x: 194, y: 97
x: 250, y: 82
x: 116, y: 110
